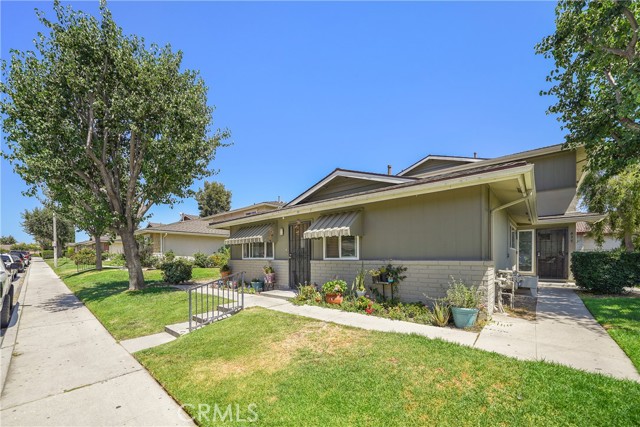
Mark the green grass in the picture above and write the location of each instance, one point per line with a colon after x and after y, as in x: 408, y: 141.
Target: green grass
x: 128, y: 314
x: 620, y: 316
x: 300, y: 371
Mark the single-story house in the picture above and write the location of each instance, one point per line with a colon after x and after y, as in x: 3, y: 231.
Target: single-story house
x: 105, y: 242
x: 586, y: 242
x: 442, y: 216
x: 193, y: 234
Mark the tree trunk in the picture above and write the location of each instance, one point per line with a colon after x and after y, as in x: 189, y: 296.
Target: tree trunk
x: 131, y: 254
x: 628, y: 241
x: 98, y: 252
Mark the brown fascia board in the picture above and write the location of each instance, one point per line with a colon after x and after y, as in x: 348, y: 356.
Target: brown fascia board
x: 429, y: 180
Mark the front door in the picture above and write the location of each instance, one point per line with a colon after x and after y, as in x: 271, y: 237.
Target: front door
x: 299, y: 255
x: 552, y: 253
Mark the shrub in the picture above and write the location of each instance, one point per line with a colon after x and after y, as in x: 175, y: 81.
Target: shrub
x: 70, y: 253
x: 307, y: 294
x: 47, y: 254
x: 441, y: 314
x: 85, y: 256
x: 606, y: 272
x: 176, y: 271
x: 201, y: 260
x: 169, y: 256
x: 145, y: 249
x: 221, y: 257
x: 117, y: 259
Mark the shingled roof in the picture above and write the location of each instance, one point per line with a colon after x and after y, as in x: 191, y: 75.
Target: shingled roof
x: 195, y: 226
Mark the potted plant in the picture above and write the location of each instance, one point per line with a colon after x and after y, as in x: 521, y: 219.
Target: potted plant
x: 464, y: 301
x: 269, y: 274
x: 225, y: 271
x: 333, y: 291
x: 256, y: 284
x: 358, y: 283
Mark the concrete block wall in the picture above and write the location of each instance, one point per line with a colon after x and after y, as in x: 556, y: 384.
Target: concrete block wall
x: 425, y: 279
x: 254, y: 268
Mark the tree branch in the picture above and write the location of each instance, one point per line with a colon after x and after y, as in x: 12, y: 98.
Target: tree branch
x: 630, y: 124
x: 613, y: 83
x: 631, y: 47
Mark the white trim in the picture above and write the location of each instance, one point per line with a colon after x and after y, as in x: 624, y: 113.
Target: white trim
x: 391, y: 179
x: 273, y: 250
x: 340, y: 257
x: 513, y: 231
x: 396, y: 193
x: 534, y: 256
x: 432, y: 157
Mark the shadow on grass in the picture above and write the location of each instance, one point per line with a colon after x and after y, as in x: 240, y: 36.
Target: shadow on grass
x: 99, y: 291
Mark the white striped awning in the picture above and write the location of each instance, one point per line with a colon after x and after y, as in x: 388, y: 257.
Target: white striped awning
x: 256, y: 234
x: 339, y: 224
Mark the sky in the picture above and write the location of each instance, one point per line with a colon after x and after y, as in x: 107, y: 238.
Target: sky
x: 307, y: 87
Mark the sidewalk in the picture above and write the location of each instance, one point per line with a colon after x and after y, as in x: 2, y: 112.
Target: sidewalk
x: 67, y: 370
x: 564, y: 332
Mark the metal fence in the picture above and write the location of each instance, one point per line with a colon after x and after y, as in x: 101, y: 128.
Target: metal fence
x: 215, y: 300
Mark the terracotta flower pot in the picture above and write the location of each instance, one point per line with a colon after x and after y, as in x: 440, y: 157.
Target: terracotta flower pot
x: 333, y: 298
x: 225, y: 274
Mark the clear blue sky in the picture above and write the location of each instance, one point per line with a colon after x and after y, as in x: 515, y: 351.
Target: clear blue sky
x: 308, y: 87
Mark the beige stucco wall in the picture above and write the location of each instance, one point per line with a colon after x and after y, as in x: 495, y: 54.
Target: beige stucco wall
x: 586, y: 243
x: 116, y: 248
x: 425, y: 279
x: 186, y: 246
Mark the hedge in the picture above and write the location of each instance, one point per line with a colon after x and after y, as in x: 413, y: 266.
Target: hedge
x: 606, y: 272
x: 177, y: 271
x: 47, y: 254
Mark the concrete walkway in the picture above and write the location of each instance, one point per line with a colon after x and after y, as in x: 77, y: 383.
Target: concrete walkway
x: 67, y: 370
x: 564, y: 332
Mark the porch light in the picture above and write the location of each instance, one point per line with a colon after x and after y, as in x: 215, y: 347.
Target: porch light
x: 282, y: 231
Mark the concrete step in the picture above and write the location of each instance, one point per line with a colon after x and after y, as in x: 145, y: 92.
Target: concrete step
x: 182, y: 328
x: 279, y: 294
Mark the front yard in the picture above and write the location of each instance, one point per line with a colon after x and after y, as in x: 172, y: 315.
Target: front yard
x: 620, y: 316
x: 299, y: 371
x: 128, y: 314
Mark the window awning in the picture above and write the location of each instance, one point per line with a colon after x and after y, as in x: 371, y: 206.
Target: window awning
x: 339, y: 224
x: 256, y: 234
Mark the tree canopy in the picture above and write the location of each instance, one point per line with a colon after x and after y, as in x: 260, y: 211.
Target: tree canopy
x: 596, y: 80
x: 100, y: 111
x: 8, y: 240
x: 39, y: 224
x: 213, y: 198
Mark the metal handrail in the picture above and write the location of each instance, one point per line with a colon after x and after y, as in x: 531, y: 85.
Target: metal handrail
x: 207, y: 296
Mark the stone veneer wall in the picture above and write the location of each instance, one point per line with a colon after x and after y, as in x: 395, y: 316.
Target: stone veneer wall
x: 255, y: 268
x: 424, y: 278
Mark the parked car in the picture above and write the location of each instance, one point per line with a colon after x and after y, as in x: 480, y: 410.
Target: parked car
x: 23, y: 256
x: 8, y: 260
x: 7, y: 296
x: 16, y: 259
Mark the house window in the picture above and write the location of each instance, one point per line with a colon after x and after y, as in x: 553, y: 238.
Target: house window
x: 257, y: 250
x: 342, y: 247
x: 512, y: 237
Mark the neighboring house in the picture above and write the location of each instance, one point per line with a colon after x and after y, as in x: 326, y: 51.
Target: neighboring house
x: 442, y: 216
x: 193, y: 234
x: 586, y: 242
x: 91, y: 244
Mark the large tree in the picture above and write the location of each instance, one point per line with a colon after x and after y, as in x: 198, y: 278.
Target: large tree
x: 596, y: 80
x: 103, y: 111
x: 39, y: 224
x: 213, y: 198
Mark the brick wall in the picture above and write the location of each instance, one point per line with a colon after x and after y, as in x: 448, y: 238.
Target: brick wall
x: 254, y: 268
x: 424, y: 278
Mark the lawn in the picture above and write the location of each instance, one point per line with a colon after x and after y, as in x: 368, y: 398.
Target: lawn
x: 124, y: 313
x: 299, y: 371
x: 620, y: 316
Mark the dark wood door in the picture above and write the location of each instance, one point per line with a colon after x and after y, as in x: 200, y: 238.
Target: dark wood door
x: 299, y: 255
x: 552, y: 253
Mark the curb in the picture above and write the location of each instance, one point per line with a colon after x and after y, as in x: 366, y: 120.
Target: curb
x: 11, y: 333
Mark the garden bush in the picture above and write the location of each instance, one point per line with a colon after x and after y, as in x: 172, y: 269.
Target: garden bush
x: 606, y: 272
x: 117, y: 259
x: 202, y: 260
x: 221, y: 257
x: 176, y: 271
x: 85, y: 256
x: 70, y: 253
x: 169, y: 256
x: 47, y: 254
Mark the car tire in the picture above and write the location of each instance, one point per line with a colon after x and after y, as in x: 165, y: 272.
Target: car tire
x: 5, y: 316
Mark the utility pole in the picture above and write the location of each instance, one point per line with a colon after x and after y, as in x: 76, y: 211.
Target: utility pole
x: 55, y: 242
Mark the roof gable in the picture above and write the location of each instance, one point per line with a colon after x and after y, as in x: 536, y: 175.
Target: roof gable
x: 433, y: 163
x: 342, y: 182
